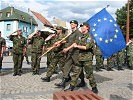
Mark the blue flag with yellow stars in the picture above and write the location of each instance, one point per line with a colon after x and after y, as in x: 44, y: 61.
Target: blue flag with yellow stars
x: 106, y: 33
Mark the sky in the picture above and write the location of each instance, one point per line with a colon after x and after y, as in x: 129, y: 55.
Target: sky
x: 67, y: 10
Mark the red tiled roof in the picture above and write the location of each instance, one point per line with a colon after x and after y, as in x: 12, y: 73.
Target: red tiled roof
x: 42, y: 19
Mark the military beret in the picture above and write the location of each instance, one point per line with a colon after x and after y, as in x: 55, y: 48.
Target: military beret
x: 74, y: 21
x: 84, y: 24
x: 59, y: 28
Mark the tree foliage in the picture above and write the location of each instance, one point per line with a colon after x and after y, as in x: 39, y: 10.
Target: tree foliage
x: 121, y: 18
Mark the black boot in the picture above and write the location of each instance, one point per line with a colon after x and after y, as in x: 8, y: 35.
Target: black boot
x: 68, y: 79
x: 95, y: 90
x: 120, y: 68
x: 81, y: 84
x: 46, y: 79
x: 62, y: 84
x: 15, y: 74
x: 71, y: 88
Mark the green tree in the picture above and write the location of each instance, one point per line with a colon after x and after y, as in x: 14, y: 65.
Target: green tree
x: 121, y: 18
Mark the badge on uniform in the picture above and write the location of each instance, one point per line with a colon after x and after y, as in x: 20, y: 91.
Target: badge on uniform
x: 79, y: 38
x: 88, y: 40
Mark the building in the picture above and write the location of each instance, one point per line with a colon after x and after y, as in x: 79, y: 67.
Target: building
x: 11, y: 19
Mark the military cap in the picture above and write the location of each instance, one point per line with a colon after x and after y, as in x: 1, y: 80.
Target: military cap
x: 59, y: 28
x: 19, y: 29
x: 74, y: 21
x: 84, y: 24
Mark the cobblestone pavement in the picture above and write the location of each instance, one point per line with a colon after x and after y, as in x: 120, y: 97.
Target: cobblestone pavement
x: 112, y: 85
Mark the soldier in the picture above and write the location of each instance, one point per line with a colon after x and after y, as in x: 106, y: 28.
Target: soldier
x: 130, y: 53
x: 38, y: 44
x: 85, y: 57
x: 19, y: 50
x: 58, y: 57
x: 71, y: 54
x: 2, y: 49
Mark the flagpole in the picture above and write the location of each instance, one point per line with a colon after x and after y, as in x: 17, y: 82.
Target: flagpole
x: 127, y: 29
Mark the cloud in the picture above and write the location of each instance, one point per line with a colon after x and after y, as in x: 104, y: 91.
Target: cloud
x: 66, y: 10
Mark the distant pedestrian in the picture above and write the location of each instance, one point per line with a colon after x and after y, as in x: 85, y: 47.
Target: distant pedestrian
x: 2, y: 48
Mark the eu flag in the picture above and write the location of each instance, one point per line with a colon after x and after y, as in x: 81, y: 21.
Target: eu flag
x: 106, y: 33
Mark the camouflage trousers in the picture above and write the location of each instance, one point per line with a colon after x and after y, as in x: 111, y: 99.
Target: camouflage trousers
x: 35, y: 61
x: 79, y: 73
x: 99, y: 61
x: 17, y: 59
x: 60, y: 60
x: 130, y: 60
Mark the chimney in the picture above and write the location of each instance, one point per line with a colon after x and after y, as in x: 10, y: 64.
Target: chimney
x: 12, y: 9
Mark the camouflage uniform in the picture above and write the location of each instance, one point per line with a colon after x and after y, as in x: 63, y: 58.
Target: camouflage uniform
x: 71, y: 59
x: 18, y: 47
x: 85, y: 60
x: 99, y: 58
x: 130, y: 54
x: 111, y: 62
x: 120, y: 57
x: 58, y: 58
x: 37, y: 46
x: 2, y: 44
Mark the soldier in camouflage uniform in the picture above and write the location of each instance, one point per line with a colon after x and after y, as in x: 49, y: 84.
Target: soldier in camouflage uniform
x: 38, y: 44
x: 2, y: 48
x: 71, y: 54
x: 58, y: 57
x: 85, y: 57
x: 130, y: 53
x: 19, y: 50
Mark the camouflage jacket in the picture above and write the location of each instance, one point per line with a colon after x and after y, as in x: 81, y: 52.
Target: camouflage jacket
x: 37, y: 44
x: 18, y: 43
x: 86, y: 40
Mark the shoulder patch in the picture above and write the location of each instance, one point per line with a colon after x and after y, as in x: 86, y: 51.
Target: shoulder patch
x: 88, y: 40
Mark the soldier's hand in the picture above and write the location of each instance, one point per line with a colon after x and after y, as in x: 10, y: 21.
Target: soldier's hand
x: 65, y: 50
x: 75, y: 45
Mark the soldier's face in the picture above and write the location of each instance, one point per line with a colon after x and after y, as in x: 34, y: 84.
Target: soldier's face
x: 84, y: 29
x: 19, y: 32
x: 73, y: 25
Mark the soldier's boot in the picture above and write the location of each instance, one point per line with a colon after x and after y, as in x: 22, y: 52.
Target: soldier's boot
x: 71, y: 88
x: 46, y: 79
x: 109, y: 69
x: 120, y: 68
x: 15, y: 74
x: 98, y: 69
x: 81, y: 84
x: 68, y: 79
x: 95, y: 90
x: 62, y: 84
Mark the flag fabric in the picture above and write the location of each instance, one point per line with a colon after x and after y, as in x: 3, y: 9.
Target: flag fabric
x: 106, y: 33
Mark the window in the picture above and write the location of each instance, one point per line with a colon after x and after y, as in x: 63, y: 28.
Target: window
x: 8, y: 27
x: 0, y: 14
x: 8, y: 14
